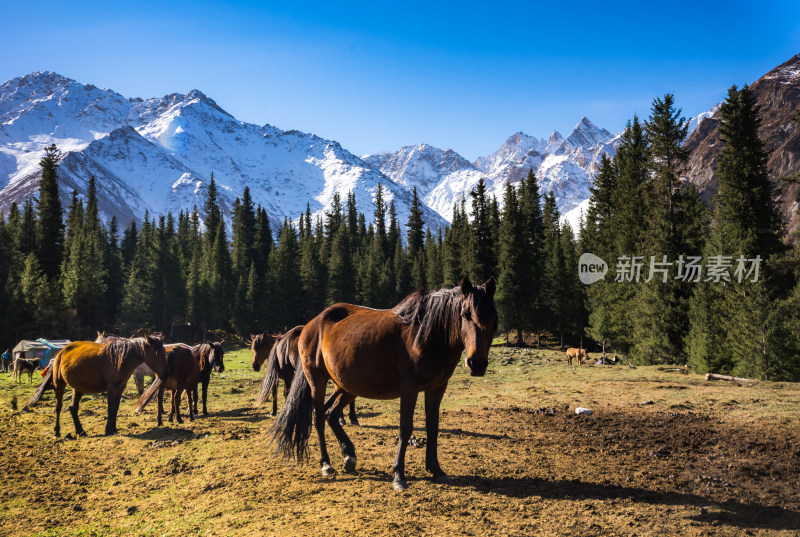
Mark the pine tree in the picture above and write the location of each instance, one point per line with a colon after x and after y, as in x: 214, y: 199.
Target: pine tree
x: 660, y: 309
x: 287, y: 306
x: 341, y: 287
x: 415, y: 224
x: 50, y: 227
x: 530, y: 203
x: 483, y: 263
x: 732, y: 328
x: 433, y: 259
x: 513, y: 245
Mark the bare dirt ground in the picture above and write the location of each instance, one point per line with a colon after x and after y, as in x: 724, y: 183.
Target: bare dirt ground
x: 663, y: 454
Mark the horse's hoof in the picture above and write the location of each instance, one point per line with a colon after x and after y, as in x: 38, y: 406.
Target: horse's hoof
x: 400, y: 485
x: 349, y: 464
x: 83, y: 433
x: 328, y: 470
x: 442, y: 480
x: 354, y: 422
x: 273, y: 413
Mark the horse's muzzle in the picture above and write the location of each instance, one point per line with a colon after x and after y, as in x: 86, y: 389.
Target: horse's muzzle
x: 477, y: 368
x: 256, y: 366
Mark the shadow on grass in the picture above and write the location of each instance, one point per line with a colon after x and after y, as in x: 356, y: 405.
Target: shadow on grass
x: 454, y: 432
x: 732, y: 513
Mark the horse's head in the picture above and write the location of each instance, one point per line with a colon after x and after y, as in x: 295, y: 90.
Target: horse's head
x: 155, y: 356
x: 261, y: 346
x: 215, y: 356
x: 478, y: 323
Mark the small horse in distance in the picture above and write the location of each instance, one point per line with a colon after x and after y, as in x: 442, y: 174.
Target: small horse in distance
x: 209, y: 356
x: 384, y: 354
x: 184, y: 373
x: 284, y: 359
x: 24, y: 365
x: 89, y: 367
x: 577, y: 354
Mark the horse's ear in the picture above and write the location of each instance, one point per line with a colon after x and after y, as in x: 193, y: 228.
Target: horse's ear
x: 490, y: 286
x: 221, y: 342
x: 466, y: 285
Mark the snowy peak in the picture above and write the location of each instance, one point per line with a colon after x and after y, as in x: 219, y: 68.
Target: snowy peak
x: 587, y: 135
x: 158, y: 154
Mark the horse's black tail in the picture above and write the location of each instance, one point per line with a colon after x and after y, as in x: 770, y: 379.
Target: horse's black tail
x: 270, y: 378
x: 292, y: 427
x: 147, y: 395
x: 47, y: 382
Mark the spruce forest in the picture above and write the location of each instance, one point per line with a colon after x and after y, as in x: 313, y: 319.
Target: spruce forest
x: 66, y: 273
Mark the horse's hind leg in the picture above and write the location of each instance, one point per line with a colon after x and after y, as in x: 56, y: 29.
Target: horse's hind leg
x: 275, y: 396
x: 73, y: 409
x: 334, y: 415
x: 352, y: 413
x: 60, y: 387
x: 317, y: 386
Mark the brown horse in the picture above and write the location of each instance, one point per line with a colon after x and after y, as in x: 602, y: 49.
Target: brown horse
x: 384, y: 354
x: 89, y: 367
x: 577, y: 354
x: 261, y: 347
x: 184, y: 372
x: 139, y: 373
x: 284, y: 358
x: 209, y: 356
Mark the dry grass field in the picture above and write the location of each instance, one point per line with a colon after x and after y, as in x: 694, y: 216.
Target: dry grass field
x: 664, y: 453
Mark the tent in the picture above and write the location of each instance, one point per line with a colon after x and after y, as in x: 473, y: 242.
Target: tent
x: 42, y: 349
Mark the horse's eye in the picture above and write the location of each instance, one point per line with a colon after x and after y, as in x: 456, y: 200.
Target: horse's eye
x: 466, y: 314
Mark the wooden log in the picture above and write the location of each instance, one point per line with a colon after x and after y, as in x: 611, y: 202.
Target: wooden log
x: 714, y: 376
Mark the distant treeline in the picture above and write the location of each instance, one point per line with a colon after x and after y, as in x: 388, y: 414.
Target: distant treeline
x: 66, y: 274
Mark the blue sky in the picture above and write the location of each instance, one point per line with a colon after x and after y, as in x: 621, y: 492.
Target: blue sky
x: 376, y: 76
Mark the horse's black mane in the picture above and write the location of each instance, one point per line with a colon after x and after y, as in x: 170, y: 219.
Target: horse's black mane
x: 435, y: 314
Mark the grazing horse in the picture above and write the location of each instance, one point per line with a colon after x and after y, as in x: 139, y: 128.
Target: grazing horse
x: 284, y: 359
x: 578, y: 354
x: 184, y: 372
x: 89, y: 367
x: 209, y: 356
x: 385, y: 354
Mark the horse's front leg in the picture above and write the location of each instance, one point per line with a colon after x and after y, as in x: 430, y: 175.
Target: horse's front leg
x: 433, y: 400
x: 160, y: 411
x: 176, y: 402
x: 205, y: 396
x: 408, y: 400
x: 114, y: 397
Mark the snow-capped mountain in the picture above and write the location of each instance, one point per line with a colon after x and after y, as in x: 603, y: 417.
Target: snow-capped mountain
x: 158, y: 154
x: 564, y: 165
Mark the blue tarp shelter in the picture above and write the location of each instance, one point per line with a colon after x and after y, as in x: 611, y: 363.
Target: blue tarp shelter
x: 54, y: 345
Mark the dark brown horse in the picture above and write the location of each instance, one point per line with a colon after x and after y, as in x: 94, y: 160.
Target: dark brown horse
x: 384, y: 354
x: 261, y: 346
x: 284, y: 359
x: 209, y: 356
x: 184, y: 372
x: 89, y: 367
